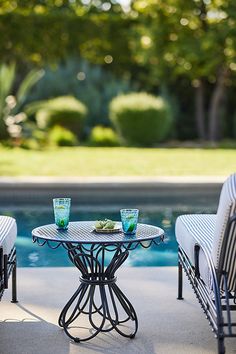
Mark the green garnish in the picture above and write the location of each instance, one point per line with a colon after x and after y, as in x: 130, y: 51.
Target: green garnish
x: 62, y: 223
x: 131, y: 227
x: 104, y: 224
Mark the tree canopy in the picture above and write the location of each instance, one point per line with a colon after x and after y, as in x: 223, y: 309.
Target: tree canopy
x: 192, y: 38
x: 195, y: 40
x: 157, y: 42
x: 47, y: 31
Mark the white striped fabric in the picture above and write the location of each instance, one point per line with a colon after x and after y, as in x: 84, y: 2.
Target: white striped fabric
x: 199, y: 227
x: 8, y: 232
x: 210, y: 231
x: 226, y: 209
x: 229, y: 260
x: 195, y: 229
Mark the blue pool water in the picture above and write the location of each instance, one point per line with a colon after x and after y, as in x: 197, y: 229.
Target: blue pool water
x: 31, y: 255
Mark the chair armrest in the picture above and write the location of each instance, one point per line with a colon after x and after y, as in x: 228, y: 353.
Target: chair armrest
x: 210, y: 264
x: 196, y: 260
x: 215, y: 283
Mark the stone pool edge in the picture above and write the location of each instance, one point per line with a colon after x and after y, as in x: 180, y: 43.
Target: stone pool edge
x: 15, y: 191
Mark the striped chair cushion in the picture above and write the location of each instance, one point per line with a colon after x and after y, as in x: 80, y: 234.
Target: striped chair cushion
x: 210, y: 230
x: 195, y: 229
x: 8, y: 232
x: 229, y: 260
x: 226, y: 209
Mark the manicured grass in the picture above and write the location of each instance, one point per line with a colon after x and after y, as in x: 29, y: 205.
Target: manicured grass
x: 85, y: 161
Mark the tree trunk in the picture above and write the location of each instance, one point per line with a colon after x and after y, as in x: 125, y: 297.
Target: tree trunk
x: 215, y: 103
x: 200, y: 111
x: 3, y: 130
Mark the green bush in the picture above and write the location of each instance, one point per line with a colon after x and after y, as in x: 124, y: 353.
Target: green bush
x: 40, y: 136
x: 65, y: 111
x: 227, y: 144
x: 101, y: 136
x: 60, y: 136
x: 141, y: 119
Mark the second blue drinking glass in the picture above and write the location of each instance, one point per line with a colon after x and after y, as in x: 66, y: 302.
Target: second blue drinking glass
x: 129, y: 219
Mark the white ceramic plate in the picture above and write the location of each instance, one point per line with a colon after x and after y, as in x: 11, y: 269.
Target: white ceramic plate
x: 107, y: 231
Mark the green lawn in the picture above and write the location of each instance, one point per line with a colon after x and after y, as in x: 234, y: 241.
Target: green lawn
x: 85, y: 161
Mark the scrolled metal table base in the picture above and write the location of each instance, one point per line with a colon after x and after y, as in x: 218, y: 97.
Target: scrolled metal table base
x: 98, y: 297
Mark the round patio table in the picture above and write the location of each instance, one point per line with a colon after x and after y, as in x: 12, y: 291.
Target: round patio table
x: 97, y: 256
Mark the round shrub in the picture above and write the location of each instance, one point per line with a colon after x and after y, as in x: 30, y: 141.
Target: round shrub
x: 101, y: 136
x: 140, y: 118
x: 65, y: 111
x: 60, y: 136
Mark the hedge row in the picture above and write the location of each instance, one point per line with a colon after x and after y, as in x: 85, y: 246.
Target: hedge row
x: 139, y: 119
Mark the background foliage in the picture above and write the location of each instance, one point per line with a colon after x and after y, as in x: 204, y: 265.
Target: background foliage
x: 90, y: 83
x: 94, y: 50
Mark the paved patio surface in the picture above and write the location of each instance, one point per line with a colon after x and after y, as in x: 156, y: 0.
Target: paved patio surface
x: 166, y: 326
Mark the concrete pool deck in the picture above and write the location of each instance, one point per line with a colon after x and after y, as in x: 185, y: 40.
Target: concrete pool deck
x: 111, y: 190
x: 166, y: 326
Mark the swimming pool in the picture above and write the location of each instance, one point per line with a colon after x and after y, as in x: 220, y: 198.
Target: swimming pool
x: 31, y: 255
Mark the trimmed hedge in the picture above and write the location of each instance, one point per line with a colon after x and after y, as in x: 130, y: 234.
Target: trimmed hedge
x: 103, y: 136
x: 64, y: 111
x: 60, y: 136
x: 140, y: 118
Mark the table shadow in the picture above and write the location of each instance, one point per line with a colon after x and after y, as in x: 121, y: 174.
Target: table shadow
x: 32, y: 335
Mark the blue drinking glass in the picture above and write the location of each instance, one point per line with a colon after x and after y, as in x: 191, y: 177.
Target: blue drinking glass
x: 129, y: 219
x: 61, y: 208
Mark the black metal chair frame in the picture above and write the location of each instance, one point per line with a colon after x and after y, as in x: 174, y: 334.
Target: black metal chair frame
x: 216, y: 303
x: 8, y: 265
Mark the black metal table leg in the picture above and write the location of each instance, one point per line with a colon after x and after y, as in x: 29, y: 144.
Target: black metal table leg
x: 98, y: 297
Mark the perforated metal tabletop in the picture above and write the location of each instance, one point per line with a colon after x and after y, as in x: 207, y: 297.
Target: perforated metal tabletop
x: 81, y: 232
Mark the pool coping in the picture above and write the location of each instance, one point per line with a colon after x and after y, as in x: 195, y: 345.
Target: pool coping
x: 112, y: 179
x: 118, y: 191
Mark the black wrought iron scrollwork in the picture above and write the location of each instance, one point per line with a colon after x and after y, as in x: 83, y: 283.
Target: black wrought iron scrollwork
x: 98, y: 297
x: 40, y: 242
x: 104, y: 309
x: 130, y: 246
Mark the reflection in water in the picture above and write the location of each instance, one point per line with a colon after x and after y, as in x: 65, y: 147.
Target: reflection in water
x: 31, y: 255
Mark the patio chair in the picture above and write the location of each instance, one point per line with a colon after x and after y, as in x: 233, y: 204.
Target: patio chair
x: 8, y: 232
x: 207, y: 253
